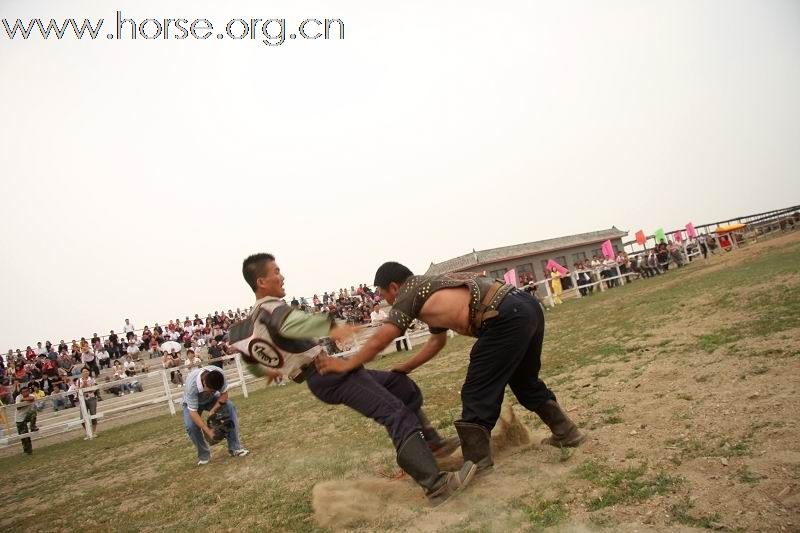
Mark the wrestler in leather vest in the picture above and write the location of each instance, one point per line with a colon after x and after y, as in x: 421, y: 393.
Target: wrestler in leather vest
x: 485, y: 296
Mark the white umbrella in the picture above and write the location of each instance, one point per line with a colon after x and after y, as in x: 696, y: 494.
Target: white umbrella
x: 169, y: 346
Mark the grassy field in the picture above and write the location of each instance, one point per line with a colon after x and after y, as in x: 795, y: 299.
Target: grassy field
x: 687, y: 384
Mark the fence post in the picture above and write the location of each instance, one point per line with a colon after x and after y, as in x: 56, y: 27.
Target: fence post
x: 167, y: 392
x: 87, y: 422
x: 619, y: 275
x: 549, y: 293
x: 408, y: 340
x: 574, y: 277
x: 238, y: 361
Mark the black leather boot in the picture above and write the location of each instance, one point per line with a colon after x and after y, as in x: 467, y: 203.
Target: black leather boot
x: 440, y: 446
x: 416, y: 459
x: 565, y: 432
x: 476, y: 443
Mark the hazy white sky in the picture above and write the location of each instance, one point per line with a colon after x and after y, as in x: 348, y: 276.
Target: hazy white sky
x: 138, y: 174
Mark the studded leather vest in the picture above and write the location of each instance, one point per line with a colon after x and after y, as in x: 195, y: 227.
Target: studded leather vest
x: 485, y: 296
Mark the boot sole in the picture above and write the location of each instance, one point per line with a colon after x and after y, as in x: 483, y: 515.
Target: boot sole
x: 571, y: 444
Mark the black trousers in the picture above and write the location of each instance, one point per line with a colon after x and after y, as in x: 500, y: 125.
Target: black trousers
x: 22, y: 428
x: 508, y: 352
x: 389, y: 398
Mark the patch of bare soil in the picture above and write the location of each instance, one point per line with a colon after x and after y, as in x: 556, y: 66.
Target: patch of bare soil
x: 344, y: 503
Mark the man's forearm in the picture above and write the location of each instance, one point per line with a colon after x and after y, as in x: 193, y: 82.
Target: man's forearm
x: 198, y: 420
x: 377, y: 342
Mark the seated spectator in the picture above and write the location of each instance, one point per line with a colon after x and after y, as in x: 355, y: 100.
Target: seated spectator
x: 103, y: 358
x: 377, y: 316
x: 173, y: 361
x: 57, y: 398
x: 38, y: 397
x: 132, y: 351
x: 129, y: 365
x: 192, y: 361
x: 119, y: 373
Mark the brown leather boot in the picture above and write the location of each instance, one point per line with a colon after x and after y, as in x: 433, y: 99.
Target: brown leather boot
x: 565, y: 432
x: 440, y: 446
x: 476, y: 444
x: 416, y: 459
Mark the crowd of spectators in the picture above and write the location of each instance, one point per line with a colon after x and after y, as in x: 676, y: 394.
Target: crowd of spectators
x: 353, y: 306
x: 52, y: 373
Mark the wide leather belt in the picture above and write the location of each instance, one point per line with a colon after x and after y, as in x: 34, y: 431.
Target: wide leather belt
x: 487, y: 309
x: 304, y: 372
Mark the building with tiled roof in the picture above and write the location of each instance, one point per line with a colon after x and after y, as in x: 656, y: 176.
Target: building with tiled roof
x: 529, y: 259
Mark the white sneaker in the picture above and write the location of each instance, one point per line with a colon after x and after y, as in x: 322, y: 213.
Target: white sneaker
x: 241, y: 452
x: 202, y: 462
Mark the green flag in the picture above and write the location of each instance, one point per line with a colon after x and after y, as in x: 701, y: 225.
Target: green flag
x: 659, y: 235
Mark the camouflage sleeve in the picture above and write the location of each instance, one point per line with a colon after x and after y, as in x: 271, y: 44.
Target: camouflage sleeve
x: 299, y: 325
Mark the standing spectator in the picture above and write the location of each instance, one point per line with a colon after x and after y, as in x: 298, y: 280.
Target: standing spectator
x: 113, y: 341
x: 62, y: 346
x: 214, y: 351
x: 128, y: 329
x: 40, y: 349
x: 555, y: 283
x: 25, y: 417
x: 84, y: 382
x: 90, y: 361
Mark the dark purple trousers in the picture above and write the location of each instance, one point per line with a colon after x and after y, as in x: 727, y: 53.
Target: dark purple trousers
x: 389, y: 398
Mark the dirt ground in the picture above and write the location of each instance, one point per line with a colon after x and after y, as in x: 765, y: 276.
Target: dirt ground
x: 721, y: 424
x: 686, y: 384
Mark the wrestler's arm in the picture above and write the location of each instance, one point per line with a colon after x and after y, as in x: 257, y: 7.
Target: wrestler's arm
x: 300, y: 325
x: 380, y: 340
x: 432, y: 346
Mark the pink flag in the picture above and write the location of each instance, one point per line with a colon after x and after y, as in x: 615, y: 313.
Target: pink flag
x: 678, y: 236
x: 608, y: 250
x: 690, y: 231
x: 510, y: 277
x: 552, y: 264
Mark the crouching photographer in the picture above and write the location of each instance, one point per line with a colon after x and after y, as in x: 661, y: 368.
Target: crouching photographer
x: 206, y: 389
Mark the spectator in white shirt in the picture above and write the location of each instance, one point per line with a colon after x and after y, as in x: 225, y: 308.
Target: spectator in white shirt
x: 103, y: 358
x: 128, y: 328
x: 90, y: 361
x: 377, y: 315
